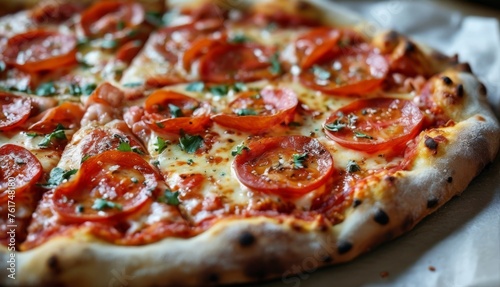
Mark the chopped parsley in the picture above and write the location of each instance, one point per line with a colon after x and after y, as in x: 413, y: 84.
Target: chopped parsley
x: 190, y: 161
x: 336, y: 126
x: 161, y: 144
x: 352, y: 166
x: 298, y: 160
x: 169, y: 197
x: 239, y: 149
x: 361, y: 135
x: 321, y: 73
x: 75, y: 90
x: 246, y: 112
x: 32, y: 135
x: 125, y: 147
x: 154, y: 18
x: 195, y: 87
x: 87, y: 89
x: 109, y: 44
x: 120, y: 25
x: 219, y: 90
x: 102, y: 204
x: 132, y: 84
x: 239, y: 39
x: 275, y: 63
x: 58, y: 175
x: 46, y: 89
x: 190, y: 143
x: 79, y: 208
x: 2, y: 66
x: 175, y: 111
x: 240, y: 87
x: 84, y: 158
x: 160, y: 125
x: 58, y: 134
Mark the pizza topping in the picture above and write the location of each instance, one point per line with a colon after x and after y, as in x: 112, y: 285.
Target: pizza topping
x: 169, y: 197
x: 58, y: 175
x: 352, y: 167
x: 68, y: 114
x: 40, y: 50
x: 229, y: 63
x: 375, y: 124
x: 258, y: 112
x: 14, y: 110
x: 19, y: 170
x: 289, y: 166
x: 104, y: 188
x: 433, y: 202
x: 169, y: 112
x: 190, y: 143
x: 352, y: 70
x: 57, y: 134
x: 114, y: 18
x: 46, y: 89
x: 161, y: 144
x: 195, y: 87
x: 344, y: 247
x: 239, y: 149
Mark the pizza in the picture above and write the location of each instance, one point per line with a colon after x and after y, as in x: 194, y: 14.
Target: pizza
x: 215, y: 142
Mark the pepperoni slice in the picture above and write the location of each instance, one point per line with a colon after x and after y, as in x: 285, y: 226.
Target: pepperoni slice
x: 229, y: 63
x: 67, y: 114
x: 354, y: 70
x: 170, y: 42
x: 289, y: 166
x: 19, y: 170
x: 258, y: 112
x: 108, y: 186
x: 170, y: 112
x: 117, y: 18
x: 40, y: 50
x: 128, y: 51
x: 14, y: 110
x: 375, y: 125
x: 313, y: 46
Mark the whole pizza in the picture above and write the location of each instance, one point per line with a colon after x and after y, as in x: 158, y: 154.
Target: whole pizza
x: 211, y: 142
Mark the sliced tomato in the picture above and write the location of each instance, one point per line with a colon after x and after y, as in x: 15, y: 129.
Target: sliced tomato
x: 108, y: 186
x: 14, y: 110
x: 67, y: 114
x: 171, y: 42
x: 117, y: 18
x: 375, y: 125
x: 39, y: 50
x: 170, y: 112
x: 355, y: 70
x: 128, y: 51
x: 228, y: 63
x: 19, y: 171
x: 258, y: 112
x: 289, y: 166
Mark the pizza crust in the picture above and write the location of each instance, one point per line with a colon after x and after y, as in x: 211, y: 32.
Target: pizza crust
x: 246, y: 250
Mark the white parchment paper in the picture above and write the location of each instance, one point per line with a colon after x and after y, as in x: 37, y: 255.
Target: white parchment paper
x: 461, y: 241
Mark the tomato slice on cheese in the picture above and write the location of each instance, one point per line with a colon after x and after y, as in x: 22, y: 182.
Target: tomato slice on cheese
x: 116, y: 18
x: 14, y: 110
x: 68, y: 114
x: 19, y: 170
x: 258, y: 112
x: 40, y: 50
x: 353, y: 70
x: 289, y: 166
x: 374, y: 125
x: 108, y: 186
x: 170, y: 112
x: 228, y: 63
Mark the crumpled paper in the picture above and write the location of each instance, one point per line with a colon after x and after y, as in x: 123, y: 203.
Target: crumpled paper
x: 458, y: 245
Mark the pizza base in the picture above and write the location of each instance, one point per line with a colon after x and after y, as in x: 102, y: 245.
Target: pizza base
x: 245, y: 250
x: 248, y: 250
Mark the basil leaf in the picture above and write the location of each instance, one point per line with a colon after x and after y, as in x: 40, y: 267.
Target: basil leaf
x: 58, y: 133
x: 58, y: 175
x: 190, y: 143
x: 161, y: 144
x: 169, y: 197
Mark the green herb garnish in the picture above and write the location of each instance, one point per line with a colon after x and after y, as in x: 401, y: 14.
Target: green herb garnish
x: 298, y: 160
x: 239, y: 149
x: 352, y: 166
x: 169, y: 197
x: 46, y: 89
x: 362, y: 135
x: 190, y: 143
x: 58, y: 175
x: 161, y: 144
x: 58, y: 134
x: 102, y: 204
x: 219, y: 90
x: 175, y: 111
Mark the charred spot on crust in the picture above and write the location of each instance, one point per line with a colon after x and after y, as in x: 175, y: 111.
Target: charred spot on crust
x: 381, y: 217
x: 430, y: 143
x: 482, y: 89
x: 326, y: 258
x: 357, y: 202
x: 213, y: 278
x: 433, y: 202
x: 391, y: 36
x: 263, y: 267
x: 246, y: 239
x: 450, y: 179
x: 53, y: 264
x: 460, y: 90
x: 463, y: 67
x: 407, y: 223
x: 410, y: 47
x: 303, y: 5
x: 344, y: 247
x: 446, y: 80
